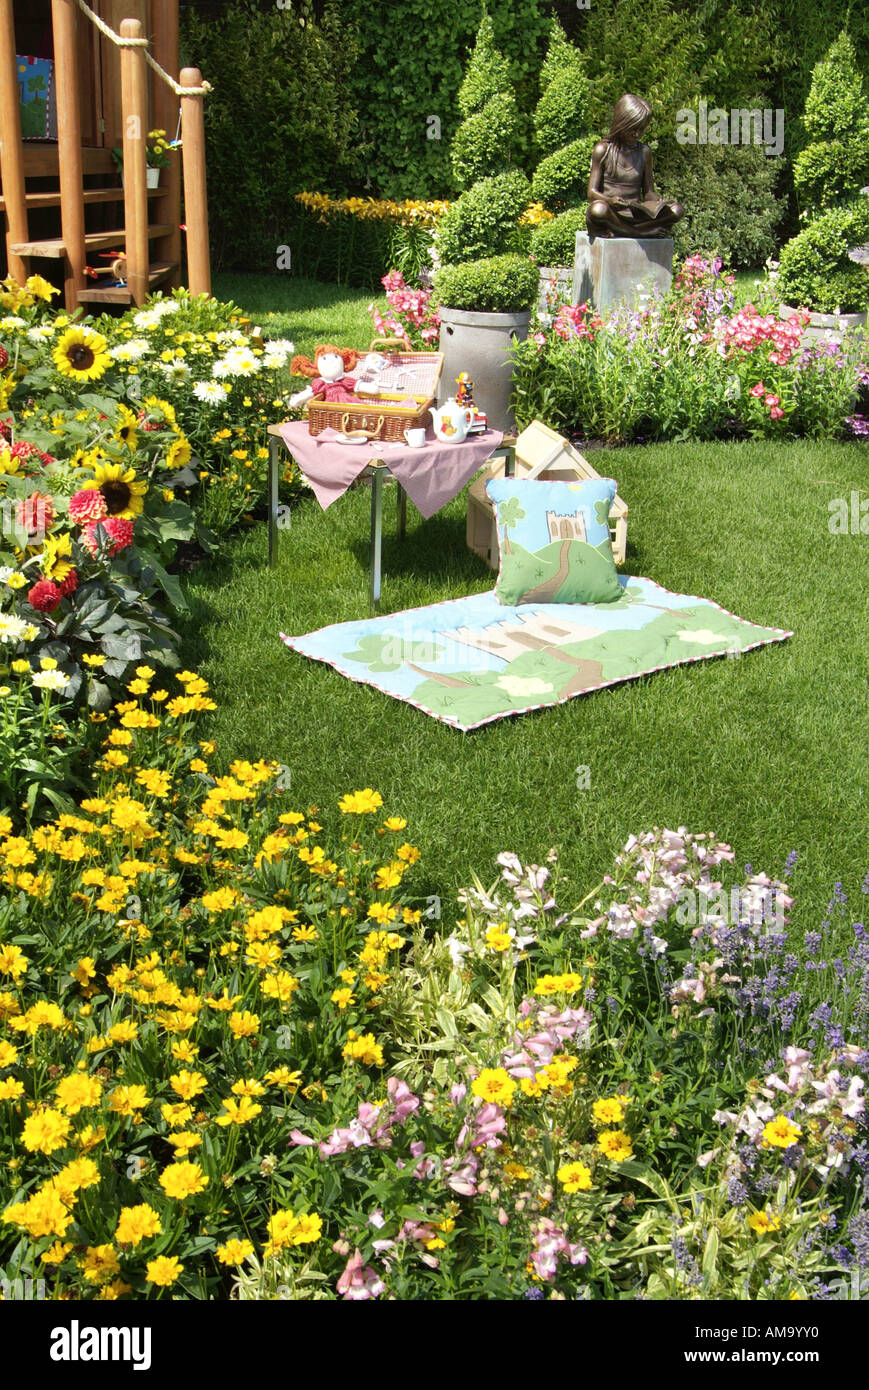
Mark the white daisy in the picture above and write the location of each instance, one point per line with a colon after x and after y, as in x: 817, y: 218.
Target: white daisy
x: 210, y: 391
x: 40, y: 333
x: 12, y: 629
x: 12, y: 321
x: 146, y: 318
x: 51, y: 680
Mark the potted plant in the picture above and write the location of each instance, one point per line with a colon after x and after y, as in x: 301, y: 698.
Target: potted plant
x: 157, y: 149
x: 486, y: 282
x: 816, y: 269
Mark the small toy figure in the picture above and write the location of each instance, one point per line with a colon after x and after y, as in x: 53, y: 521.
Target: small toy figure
x: 330, y: 372
x: 465, y: 393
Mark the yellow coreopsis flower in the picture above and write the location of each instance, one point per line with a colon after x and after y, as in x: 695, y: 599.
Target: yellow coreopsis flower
x: 496, y: 1085
x: 182, y: 1180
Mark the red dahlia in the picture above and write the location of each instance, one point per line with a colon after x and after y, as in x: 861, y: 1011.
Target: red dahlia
x: 45, y: 596
x: 117, y: 528
x: 69, y: 585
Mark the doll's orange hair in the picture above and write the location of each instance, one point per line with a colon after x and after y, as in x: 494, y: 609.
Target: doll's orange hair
x: 303, y: 366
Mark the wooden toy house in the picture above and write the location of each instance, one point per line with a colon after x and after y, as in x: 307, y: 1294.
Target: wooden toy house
x: 544, y: 455
x: 77, y: 80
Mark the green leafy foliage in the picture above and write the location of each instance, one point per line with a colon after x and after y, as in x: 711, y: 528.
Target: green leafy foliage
x: 729, y: 194
x: 836, y: 107
x: 554, y: 243
x: 815, y: 268
x: 495, y: 284
x: 266, y: 138
x: 484, y: 221
x: 561, y: 111
x: 485, y: 143
x: 487, y: 73
x: 828, y: 174
x: 562, y: 178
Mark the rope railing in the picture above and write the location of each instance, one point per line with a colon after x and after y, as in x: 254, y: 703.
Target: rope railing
x: 120, y: 42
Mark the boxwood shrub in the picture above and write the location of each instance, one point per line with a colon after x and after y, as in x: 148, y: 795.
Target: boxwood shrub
x: 484, y: 221
x: 495, y: 285
x: 554, y: 243
x: 814, y: 268
x: 560, y: 180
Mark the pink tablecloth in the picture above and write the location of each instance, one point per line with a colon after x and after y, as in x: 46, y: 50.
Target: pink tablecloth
x: 431, y: 476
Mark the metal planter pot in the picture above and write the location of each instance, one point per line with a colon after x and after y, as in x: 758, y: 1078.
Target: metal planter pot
x: 479, y: 344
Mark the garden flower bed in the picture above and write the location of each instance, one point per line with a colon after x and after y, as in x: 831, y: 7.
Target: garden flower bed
x: 689, y: 365
x: 250, y: 1065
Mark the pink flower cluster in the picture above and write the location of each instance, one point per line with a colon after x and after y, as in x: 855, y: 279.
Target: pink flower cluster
x: 372, y: 1124
x: 813, y: 1088
x: 773, y: 403
x: 664, y: 863
x: 359, y: 1282
x: 576, y: 321
x: 748, y: 330
x: 480, y: 1131
x: 546, y: 1029
x: 549, y: 1243
x: 412, y: 310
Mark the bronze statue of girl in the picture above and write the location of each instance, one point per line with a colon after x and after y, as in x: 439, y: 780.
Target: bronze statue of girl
x: 623, y: 201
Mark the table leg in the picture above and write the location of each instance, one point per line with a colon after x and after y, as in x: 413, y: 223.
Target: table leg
x: 402, y: 510
x: 274, y: 464
x: 376, y: 535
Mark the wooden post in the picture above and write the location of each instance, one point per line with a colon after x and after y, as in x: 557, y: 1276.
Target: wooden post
x: 64, y: 19
x: 164, y: 47
x: 195, y: 196
x: 134, y: 110
x: 11, y: 150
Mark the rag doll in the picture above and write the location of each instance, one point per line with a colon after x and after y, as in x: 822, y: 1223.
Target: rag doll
x: 329, y: 372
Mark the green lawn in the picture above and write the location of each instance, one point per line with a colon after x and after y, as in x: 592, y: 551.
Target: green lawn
x: 768, y: 751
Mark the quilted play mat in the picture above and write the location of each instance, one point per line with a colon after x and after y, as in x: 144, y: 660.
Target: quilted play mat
x: 472, y: 660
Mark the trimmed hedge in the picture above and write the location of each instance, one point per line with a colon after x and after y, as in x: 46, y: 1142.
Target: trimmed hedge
x: 561, y: 178
x: 814, y: 267
x: 554, y: 243
x: 484, y: 221
x: 494, y: 285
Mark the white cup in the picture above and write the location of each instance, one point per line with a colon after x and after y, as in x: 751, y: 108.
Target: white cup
x: 415, y: 438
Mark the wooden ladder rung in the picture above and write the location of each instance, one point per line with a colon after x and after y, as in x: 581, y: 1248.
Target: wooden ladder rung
x: 94, y: 241
x: 90, y: 195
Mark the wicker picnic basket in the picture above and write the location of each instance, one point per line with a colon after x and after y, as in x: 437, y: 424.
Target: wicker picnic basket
x: 387, y: 415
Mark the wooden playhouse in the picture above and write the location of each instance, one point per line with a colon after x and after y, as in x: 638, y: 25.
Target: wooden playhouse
x: 77, y: 80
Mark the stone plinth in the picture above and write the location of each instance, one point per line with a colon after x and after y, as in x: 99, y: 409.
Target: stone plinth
x: 613, y: 271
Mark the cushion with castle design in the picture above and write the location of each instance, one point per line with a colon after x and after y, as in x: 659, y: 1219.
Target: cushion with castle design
x: 554, y: 540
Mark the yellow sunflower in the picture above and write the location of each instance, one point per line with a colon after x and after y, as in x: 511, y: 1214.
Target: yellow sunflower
x: 154, y: 405
x: 81, y: 355
x: 179, y: 454
x: 56, y: 558
x: 121, y: 489
x: 127, y: 430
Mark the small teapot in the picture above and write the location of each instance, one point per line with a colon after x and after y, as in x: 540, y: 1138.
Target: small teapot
x: 452, y: 421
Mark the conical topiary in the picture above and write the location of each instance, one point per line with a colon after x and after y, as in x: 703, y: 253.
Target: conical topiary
x: 815, y: 268
x: 561, y: 126
x: 485, y: 142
